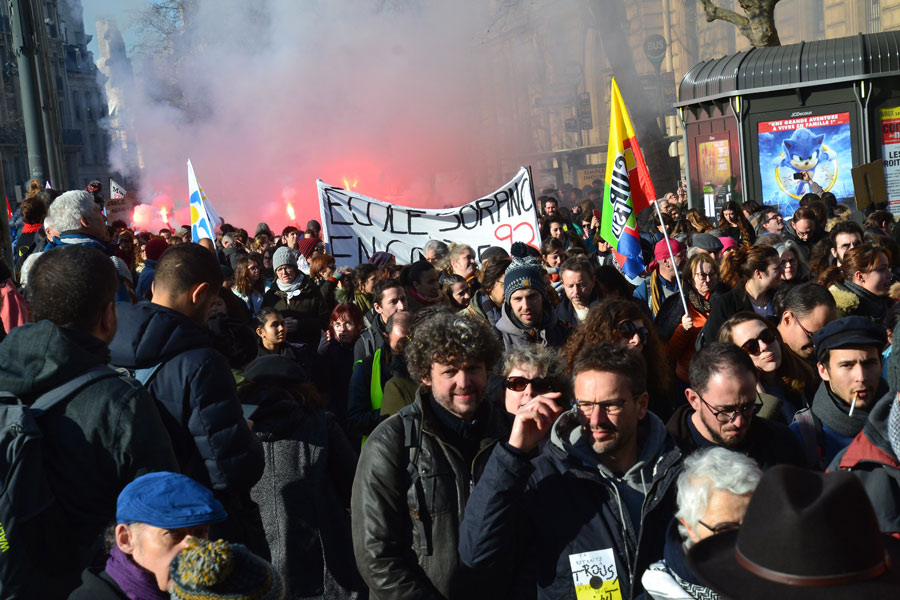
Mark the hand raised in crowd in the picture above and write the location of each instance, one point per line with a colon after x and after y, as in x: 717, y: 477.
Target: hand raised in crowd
x: 290, y: 323
x: 533, y: 420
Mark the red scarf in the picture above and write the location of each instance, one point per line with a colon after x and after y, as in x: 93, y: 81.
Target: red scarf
x: 31, y: 227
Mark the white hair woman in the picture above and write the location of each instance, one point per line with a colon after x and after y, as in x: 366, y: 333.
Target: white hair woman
x: 714, y: 490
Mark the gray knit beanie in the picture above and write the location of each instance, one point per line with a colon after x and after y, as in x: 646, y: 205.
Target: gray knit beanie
x: 524, y: 273
x: 284, y: 256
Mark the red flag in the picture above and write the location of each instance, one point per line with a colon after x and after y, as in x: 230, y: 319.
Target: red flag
x: 8, y: 211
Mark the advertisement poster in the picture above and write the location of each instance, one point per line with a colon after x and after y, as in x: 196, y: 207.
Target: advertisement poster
x: 714, y: 160
x: 890, y: 139
x: 817, y: 145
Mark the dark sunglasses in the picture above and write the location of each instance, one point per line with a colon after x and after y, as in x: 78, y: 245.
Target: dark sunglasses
x: 539, y: 385
x: 627, y: 329
x: 767, y: 336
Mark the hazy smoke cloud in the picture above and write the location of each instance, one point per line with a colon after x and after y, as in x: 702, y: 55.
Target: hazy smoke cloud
x: 275, y: 94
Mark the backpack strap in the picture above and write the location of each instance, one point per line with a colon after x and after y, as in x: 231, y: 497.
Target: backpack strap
x: 412, y: 441
x: 58, y: 394
x: 809, y: 436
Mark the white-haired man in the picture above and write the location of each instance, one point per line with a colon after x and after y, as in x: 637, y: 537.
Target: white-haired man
x: 79, y: 221
x: 714, y: 490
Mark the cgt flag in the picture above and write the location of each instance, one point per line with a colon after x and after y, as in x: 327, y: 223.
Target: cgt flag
x: 201, y: 226
x: 627, y: 189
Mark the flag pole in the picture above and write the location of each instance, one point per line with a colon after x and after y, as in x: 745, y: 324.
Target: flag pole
x: 671, y: 256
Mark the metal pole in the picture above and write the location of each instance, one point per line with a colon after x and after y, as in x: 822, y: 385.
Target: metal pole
x: 5, y: 236
x: 672, y: 256
x: 23, y: 47
x: 49, y: 109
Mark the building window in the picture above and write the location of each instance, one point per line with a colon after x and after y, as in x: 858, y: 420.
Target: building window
x: 873, y: 15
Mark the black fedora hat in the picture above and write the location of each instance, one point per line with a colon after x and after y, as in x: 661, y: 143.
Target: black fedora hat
x: 805, y: 535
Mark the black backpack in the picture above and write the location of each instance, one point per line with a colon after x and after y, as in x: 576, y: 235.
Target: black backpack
x: 31, y: 519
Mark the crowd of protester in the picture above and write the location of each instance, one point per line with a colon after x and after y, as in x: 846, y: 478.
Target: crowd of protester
x: 522, y: 424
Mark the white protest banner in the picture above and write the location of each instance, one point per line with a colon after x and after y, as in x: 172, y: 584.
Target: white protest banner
x: 357, y: 226
x: 118, y: 207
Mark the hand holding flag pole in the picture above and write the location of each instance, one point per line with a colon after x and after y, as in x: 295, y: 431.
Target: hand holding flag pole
x: 672, y: 257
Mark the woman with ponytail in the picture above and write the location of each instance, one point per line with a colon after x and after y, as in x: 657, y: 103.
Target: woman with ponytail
x: 753, y: 273
x: 861, y: 284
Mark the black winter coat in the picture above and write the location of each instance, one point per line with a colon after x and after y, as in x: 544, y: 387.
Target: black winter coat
x: 306, y: 305
x: 97, y: 585
x: 768, y: 443
x: 405, y: 530
x: 721, y: 308
x: 195, y: 390
x: 525, y: 518
x: 94, y: 444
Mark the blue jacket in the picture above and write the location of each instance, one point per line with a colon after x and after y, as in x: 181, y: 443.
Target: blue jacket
x: 145, y: 280
x: 195, y: 391
x: 526, y: 517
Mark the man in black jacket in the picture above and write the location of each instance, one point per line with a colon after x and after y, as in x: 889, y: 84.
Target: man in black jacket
x: 589, y: 515
x: 106, y: 434
x: 388, y: 297
x: 722, y: 407
x: 417, y: 468
x: 166, y: 344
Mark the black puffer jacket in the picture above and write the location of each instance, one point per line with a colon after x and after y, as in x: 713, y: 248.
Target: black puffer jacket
x: 527, y: 517
x: 94, y: 444
x: 405, y: 528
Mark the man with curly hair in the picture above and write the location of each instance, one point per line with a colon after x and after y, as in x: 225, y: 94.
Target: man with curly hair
x: 418, y: 467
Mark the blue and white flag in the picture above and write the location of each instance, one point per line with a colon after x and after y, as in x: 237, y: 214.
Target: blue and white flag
x: 201, y: 226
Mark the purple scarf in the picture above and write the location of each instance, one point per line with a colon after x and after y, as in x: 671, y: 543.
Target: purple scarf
x: 137, y: 582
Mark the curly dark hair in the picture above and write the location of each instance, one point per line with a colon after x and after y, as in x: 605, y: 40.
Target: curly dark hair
x: 601, y: 325
x: 450, y: 339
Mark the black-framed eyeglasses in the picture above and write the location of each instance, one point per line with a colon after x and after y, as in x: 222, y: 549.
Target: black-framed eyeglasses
x: 729, y: 415
x: 721, y: 527
x: 611, y: 408
x: 802, y: 328
x: 628, y: 329
x: 539, y: 385
x: 766, y: 336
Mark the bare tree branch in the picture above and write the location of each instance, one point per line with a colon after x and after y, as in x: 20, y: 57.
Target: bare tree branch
x: 758, y: 25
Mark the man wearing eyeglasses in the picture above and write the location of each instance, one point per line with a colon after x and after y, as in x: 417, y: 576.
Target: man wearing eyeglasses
x: 770, y: 221
x: 722, y: 410
x: 848, y: 358
x: 589, y: 514
x: 845, y: 235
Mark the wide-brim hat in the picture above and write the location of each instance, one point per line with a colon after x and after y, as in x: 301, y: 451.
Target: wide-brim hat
x: 805, y: 535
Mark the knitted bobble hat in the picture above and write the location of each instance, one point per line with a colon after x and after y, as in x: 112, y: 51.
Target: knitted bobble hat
x: 523, y: 273
x: 207, y: 570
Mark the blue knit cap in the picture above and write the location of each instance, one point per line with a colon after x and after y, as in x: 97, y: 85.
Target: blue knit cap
x: 168, y: 501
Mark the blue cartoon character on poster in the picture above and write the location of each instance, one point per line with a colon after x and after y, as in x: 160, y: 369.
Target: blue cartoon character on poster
x: 795, y: 152
x: 803, y: 153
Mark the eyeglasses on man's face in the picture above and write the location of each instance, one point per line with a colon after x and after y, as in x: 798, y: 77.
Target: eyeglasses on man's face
x: 728, y: 415
x: 611, y: 407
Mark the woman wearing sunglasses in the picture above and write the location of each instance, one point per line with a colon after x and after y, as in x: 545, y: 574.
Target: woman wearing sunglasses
x: 625, y: 322
x: 780, y: 386
x: 531, y: 371
x: 861, y: 285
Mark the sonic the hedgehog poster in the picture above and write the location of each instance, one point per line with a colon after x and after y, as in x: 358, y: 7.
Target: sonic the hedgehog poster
x: 817, y: 145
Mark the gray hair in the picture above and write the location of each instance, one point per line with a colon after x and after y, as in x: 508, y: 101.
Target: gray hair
x: 228, y: 237
x: 802, y: 263
x: 439, y: 248
x: 69, y: 208
x: 26, y: 268
x: 543, y: 360
x: 48, y: 223
x: 707, y: 470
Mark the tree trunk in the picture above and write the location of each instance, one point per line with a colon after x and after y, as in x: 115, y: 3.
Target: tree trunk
x: 758, y: 25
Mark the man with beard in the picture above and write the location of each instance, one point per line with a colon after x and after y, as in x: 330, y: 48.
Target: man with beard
x: 722, y: 408
x: 580, y: 284
x: 417, y: 468
x: 526, y: 316
x: 594, y: 506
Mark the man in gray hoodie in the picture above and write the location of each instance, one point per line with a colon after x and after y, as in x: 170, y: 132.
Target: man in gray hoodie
x: 590, y: 512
